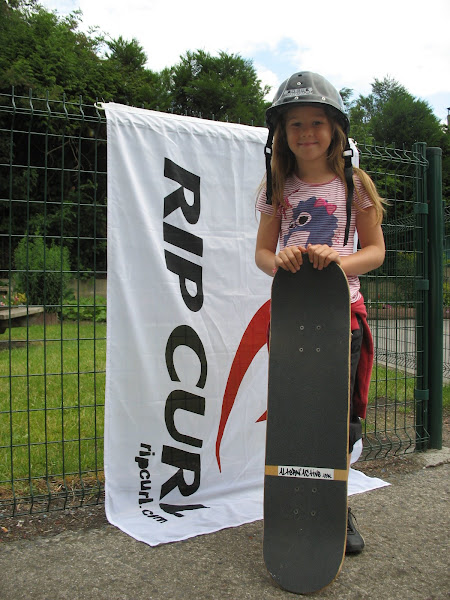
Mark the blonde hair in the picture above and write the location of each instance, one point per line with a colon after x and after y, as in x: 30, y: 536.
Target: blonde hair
x: 284, y: 163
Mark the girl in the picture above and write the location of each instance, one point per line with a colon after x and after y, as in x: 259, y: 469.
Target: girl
x: 312, y: 204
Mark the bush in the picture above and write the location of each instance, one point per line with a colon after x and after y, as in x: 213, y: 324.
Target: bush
x: 406, y: 271
x: 83, y: 309
x: 446, y: 294
x: 42, y: 272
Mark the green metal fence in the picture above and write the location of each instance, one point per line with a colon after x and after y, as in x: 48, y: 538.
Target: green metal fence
x: 53, y: 270
x: 446, y: 294
x: 401, y: 306
x: 53, y: 318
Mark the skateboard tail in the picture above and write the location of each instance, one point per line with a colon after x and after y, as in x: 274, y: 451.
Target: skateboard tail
x: 306, y: 550
x: 311, y: 583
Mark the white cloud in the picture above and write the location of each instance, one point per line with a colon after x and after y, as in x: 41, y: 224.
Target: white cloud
x: 350, y: 44
x: 269, y: 78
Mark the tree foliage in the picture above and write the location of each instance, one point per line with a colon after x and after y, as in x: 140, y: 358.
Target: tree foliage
x: 42, y: 272
x: 390, y: 114
x: 45, y: 52
x: 225, y: 86
x: 50, y: 55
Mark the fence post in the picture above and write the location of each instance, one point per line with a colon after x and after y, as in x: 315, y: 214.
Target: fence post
x: 436, y: 314
x: 421, y: 295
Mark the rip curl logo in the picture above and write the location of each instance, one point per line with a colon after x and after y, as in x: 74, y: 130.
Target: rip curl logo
x: 254, y: 338
x: 145, y: 485
x: 187, y: 477
x: 187, y: 464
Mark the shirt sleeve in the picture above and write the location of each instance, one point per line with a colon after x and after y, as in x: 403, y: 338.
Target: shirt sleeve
x: 262, y: 206
x: 362, y: 200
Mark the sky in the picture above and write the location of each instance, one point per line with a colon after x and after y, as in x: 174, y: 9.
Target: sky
x: 349, y: 43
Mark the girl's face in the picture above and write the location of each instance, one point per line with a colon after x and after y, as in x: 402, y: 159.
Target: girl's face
x: 309, y: 133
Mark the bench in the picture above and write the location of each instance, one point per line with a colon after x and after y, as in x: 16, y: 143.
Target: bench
x: 18, y: 316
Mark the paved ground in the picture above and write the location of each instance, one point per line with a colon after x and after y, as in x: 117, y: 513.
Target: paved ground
x: 406, y: 527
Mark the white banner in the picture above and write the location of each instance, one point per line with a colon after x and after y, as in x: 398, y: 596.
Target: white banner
x: 185, y: 389
x: 186, y: 379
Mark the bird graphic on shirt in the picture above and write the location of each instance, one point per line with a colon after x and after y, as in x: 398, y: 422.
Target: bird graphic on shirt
x: 313, y: 222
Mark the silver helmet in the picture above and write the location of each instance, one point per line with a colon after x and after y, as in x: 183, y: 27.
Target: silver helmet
x: 306, y: 87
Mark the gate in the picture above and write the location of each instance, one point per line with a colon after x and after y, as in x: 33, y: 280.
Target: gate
x: 53, y: 313
x: 404, y: 302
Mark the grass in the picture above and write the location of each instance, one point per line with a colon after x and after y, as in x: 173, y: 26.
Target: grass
x: 52, y: 403
x: 391, y: 422
x: 446, y: 396
x: 391, y: 409
x: 52, y: 406
x: 392, y: 385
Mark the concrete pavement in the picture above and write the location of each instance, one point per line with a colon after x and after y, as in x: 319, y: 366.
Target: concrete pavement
x: 406, y: 527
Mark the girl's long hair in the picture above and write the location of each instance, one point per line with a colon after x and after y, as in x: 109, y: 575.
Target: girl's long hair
x: 284, y: 162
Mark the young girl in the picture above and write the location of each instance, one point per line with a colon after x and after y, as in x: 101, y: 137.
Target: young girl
x: 312, y: 204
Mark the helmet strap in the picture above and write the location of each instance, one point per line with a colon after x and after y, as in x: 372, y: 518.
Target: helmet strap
x: 348, y: 173
x: 268, y: 154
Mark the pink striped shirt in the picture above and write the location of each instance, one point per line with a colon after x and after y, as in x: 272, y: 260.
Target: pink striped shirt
x: 315, y: 214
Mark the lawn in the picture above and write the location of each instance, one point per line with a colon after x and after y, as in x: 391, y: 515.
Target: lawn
x: 52, y: 403
x: 52, y: 406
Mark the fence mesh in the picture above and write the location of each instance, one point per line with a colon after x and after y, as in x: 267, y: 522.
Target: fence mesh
x: 53, y: 318
x: 446, y: 292
x: 396, y: 304
x: 53, y: 308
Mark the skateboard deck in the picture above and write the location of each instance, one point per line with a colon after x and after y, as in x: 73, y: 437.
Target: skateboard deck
x: 306, y: 472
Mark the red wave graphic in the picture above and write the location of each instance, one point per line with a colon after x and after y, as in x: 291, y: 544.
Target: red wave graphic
x: 254, y: 338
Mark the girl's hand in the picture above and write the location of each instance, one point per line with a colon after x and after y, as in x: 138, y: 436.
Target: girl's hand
x: 290, y: 259
x: 321, y: 255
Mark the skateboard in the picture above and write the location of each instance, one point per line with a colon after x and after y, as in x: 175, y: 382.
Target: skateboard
x: 306, y: 472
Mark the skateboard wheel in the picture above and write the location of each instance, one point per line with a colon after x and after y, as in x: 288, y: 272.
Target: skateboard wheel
x: 300, y: 349
x: 313, y: 513
x: 317, y: 349
x: 302, y: 327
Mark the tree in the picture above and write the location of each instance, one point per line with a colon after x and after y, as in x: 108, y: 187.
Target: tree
x: 129, y: 55
x: 406, y: 120
x: 390, y: 114
x: 127, y: 79
x: 220, y: 87
x: 346, y: 94
x: 46, y: 53
x: 50, y: 55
